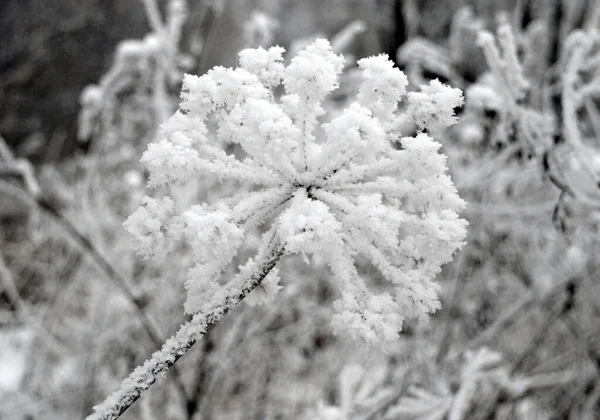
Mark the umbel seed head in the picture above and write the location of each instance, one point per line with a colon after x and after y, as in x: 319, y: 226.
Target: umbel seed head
x: 334, y: 188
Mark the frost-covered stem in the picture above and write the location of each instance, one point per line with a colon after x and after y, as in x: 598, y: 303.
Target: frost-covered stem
x: 147, y: 322
x: 153, y: 14
x: 356, y: 173
x: 176, y: 17
x: 201, y: 378
x: 457, y: 291
x: 343, y: 40
x: 594, y: 16
x: 89, y: 248
x: 207, y: 21
x: 8, y: 287
x: 97, y: 311
x: 496, y: 64
x: 146, y: 375
x: 12, y: 166
x: 504, y: 63
x: 234, y: 337
x: 6, y: 154
x: 569, y: 97
x: 462, y: 399
x: 591, y: 403
x: 161, y: 98
x: 261, y: 403
x: 303, y: 154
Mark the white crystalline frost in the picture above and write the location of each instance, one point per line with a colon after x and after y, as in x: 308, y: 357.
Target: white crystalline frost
x: 334, y: 188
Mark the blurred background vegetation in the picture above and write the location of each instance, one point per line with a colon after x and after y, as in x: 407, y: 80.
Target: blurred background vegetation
x: 517, y: 336
x: 51, y: 50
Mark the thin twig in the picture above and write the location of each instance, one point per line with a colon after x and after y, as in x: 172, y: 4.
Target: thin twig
x: 202, y: 377
x: 458, y: 286
x: 148, y: 323
x: 589, y: 407
x: 154, y: 16
x: 8, y: 286
x: 142, y: 378
x: 208, y: 21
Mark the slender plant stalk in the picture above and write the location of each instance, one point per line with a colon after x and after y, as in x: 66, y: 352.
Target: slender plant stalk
x: 143, y: 377
x: 201, y: 378
x: 149, y: 324
x: 457, y: 291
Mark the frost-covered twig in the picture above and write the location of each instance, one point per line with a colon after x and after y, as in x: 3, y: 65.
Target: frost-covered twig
x: 154, y: 15
x: 142, y: 378
x: 11, y: 166
x: 504, y: 63
x: 9, y: 288
x: 147, y: 322
x: 477, y: 365
x: 456, y: 294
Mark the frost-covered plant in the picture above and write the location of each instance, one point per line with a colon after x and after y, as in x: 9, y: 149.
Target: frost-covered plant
x: 506, y: 96
x: 260, y: 29
x: 149, y: 67
x: 316, y: 193
x: 362, y: 394
x: 458, y: 60
x: 327, y: 190
x: 556, y: 128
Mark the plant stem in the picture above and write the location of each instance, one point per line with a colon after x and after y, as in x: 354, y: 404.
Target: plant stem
x: 142, y: 378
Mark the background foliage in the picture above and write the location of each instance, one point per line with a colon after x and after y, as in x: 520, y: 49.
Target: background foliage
x: 517, y: 335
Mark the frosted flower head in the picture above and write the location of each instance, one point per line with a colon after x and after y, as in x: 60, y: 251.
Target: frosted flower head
x: 383, y: 85
x: 147, y: 226
x: 332, y: 188
x: 267, y: 65
x: 433, y: 107
x: 314, y: 72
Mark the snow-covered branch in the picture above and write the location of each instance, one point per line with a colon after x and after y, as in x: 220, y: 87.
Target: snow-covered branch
x: 143, y: 377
